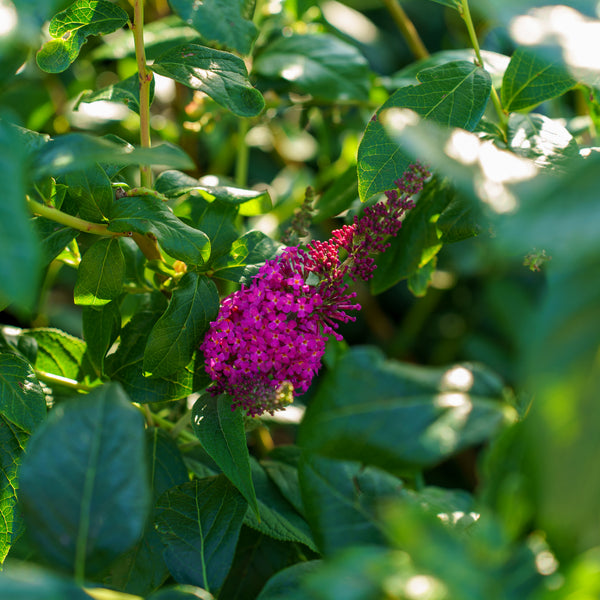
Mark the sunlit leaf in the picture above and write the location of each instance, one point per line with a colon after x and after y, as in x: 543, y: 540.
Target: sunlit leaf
x: 221, y: 75
x: 71, y: 28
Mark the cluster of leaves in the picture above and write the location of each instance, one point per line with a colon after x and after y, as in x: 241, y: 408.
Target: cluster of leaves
x: 120, y: 476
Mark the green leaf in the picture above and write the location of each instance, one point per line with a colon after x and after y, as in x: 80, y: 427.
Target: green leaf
x: 493, y: 62
x: 221, y: 433
x: 101, y: 273
x: 285, y: 584
x: 217, y: 219
x: 200, y: 522
x: 76, y: 151
x: 456, y: 4
x: 220, y: 75
x: 20, y: 256
x: 454, y: 94
x: 143, y: 569
x: 530, y: 79
x: 12, y: 444
x: 278, y: 518
x: 94, y: 446
x: 58, y: 352
x: 317, y: 64
x: 341, y: 500
x: 181, y: 592
x: 53, y: 236
x: 257, y: 558
x: 282, y: 469
x: 126, y: 91
x: 541, y: 139
x: 22, y: 400
x: 92, y: 191
x: 418, y: 241
x: 174, y: 183
x: 149, y: 215
x: 125, y: 364
x: 159, y: 36
x: 27, y: 581
x: 401, y: 417
x: 338, y: 197
x: 224, y: 23
x: 176, y: 335
x: 101, y: 326
x: 246, y: 256
x: 71, y: 28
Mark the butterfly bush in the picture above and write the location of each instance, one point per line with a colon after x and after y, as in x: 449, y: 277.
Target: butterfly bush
x: 269, y: 337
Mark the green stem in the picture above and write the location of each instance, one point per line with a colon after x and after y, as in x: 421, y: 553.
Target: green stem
x: 145, y: 77
x: 407, y: 28
x: 465, y: 13
x: 166, y: 424
x: 49, y: 212
x: 72, y: 384
x: 243, y: 155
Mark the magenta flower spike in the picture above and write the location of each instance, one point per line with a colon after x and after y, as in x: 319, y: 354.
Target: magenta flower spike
x: 267, y: 342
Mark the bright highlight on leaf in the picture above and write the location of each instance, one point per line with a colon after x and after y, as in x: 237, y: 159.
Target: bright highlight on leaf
x: 71, y: 28
x: 220, y: 75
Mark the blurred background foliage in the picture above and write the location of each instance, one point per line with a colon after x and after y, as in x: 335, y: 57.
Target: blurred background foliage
x: 503, y: 298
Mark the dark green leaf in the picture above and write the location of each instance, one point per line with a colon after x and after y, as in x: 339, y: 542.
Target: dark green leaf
x: 217, y: 219
x: 257, y: 558
x: 143, y: 569
x: 100, y: 507
x: 125, y: 364
x: 92, y: 191
x: 531, y: 78
x: 282, y: 469
x: 419, y: 281
x: 220, y: 22
x: 176, y: 335
x: 221, y: 433
x: 126, y: 91
x: 246, y: 256
x: 76, y: 151
x: 200, y: 522
x: 284, y: 584
x: 101, y: 273
x: 454, y: 94
x: 341, y: 501
x: 12, y: 444
x: 149, y: 215
x: 101, y: 326
x: 22, y: 401
x: 221, y: 75
x: 418, y: 241
x: 278, y: 519
x: 54, y: 237
x: 26, y: 581
x: 401, y: 417
x: 317, y: 64
x: 20, y: 256
x: 71, y: 28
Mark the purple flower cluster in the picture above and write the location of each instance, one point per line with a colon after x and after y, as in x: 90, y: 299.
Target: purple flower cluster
x: 268, y: 340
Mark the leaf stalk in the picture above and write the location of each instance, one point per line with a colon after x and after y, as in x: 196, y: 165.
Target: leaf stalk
x: 145, y: 77
x: 407, y: 28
